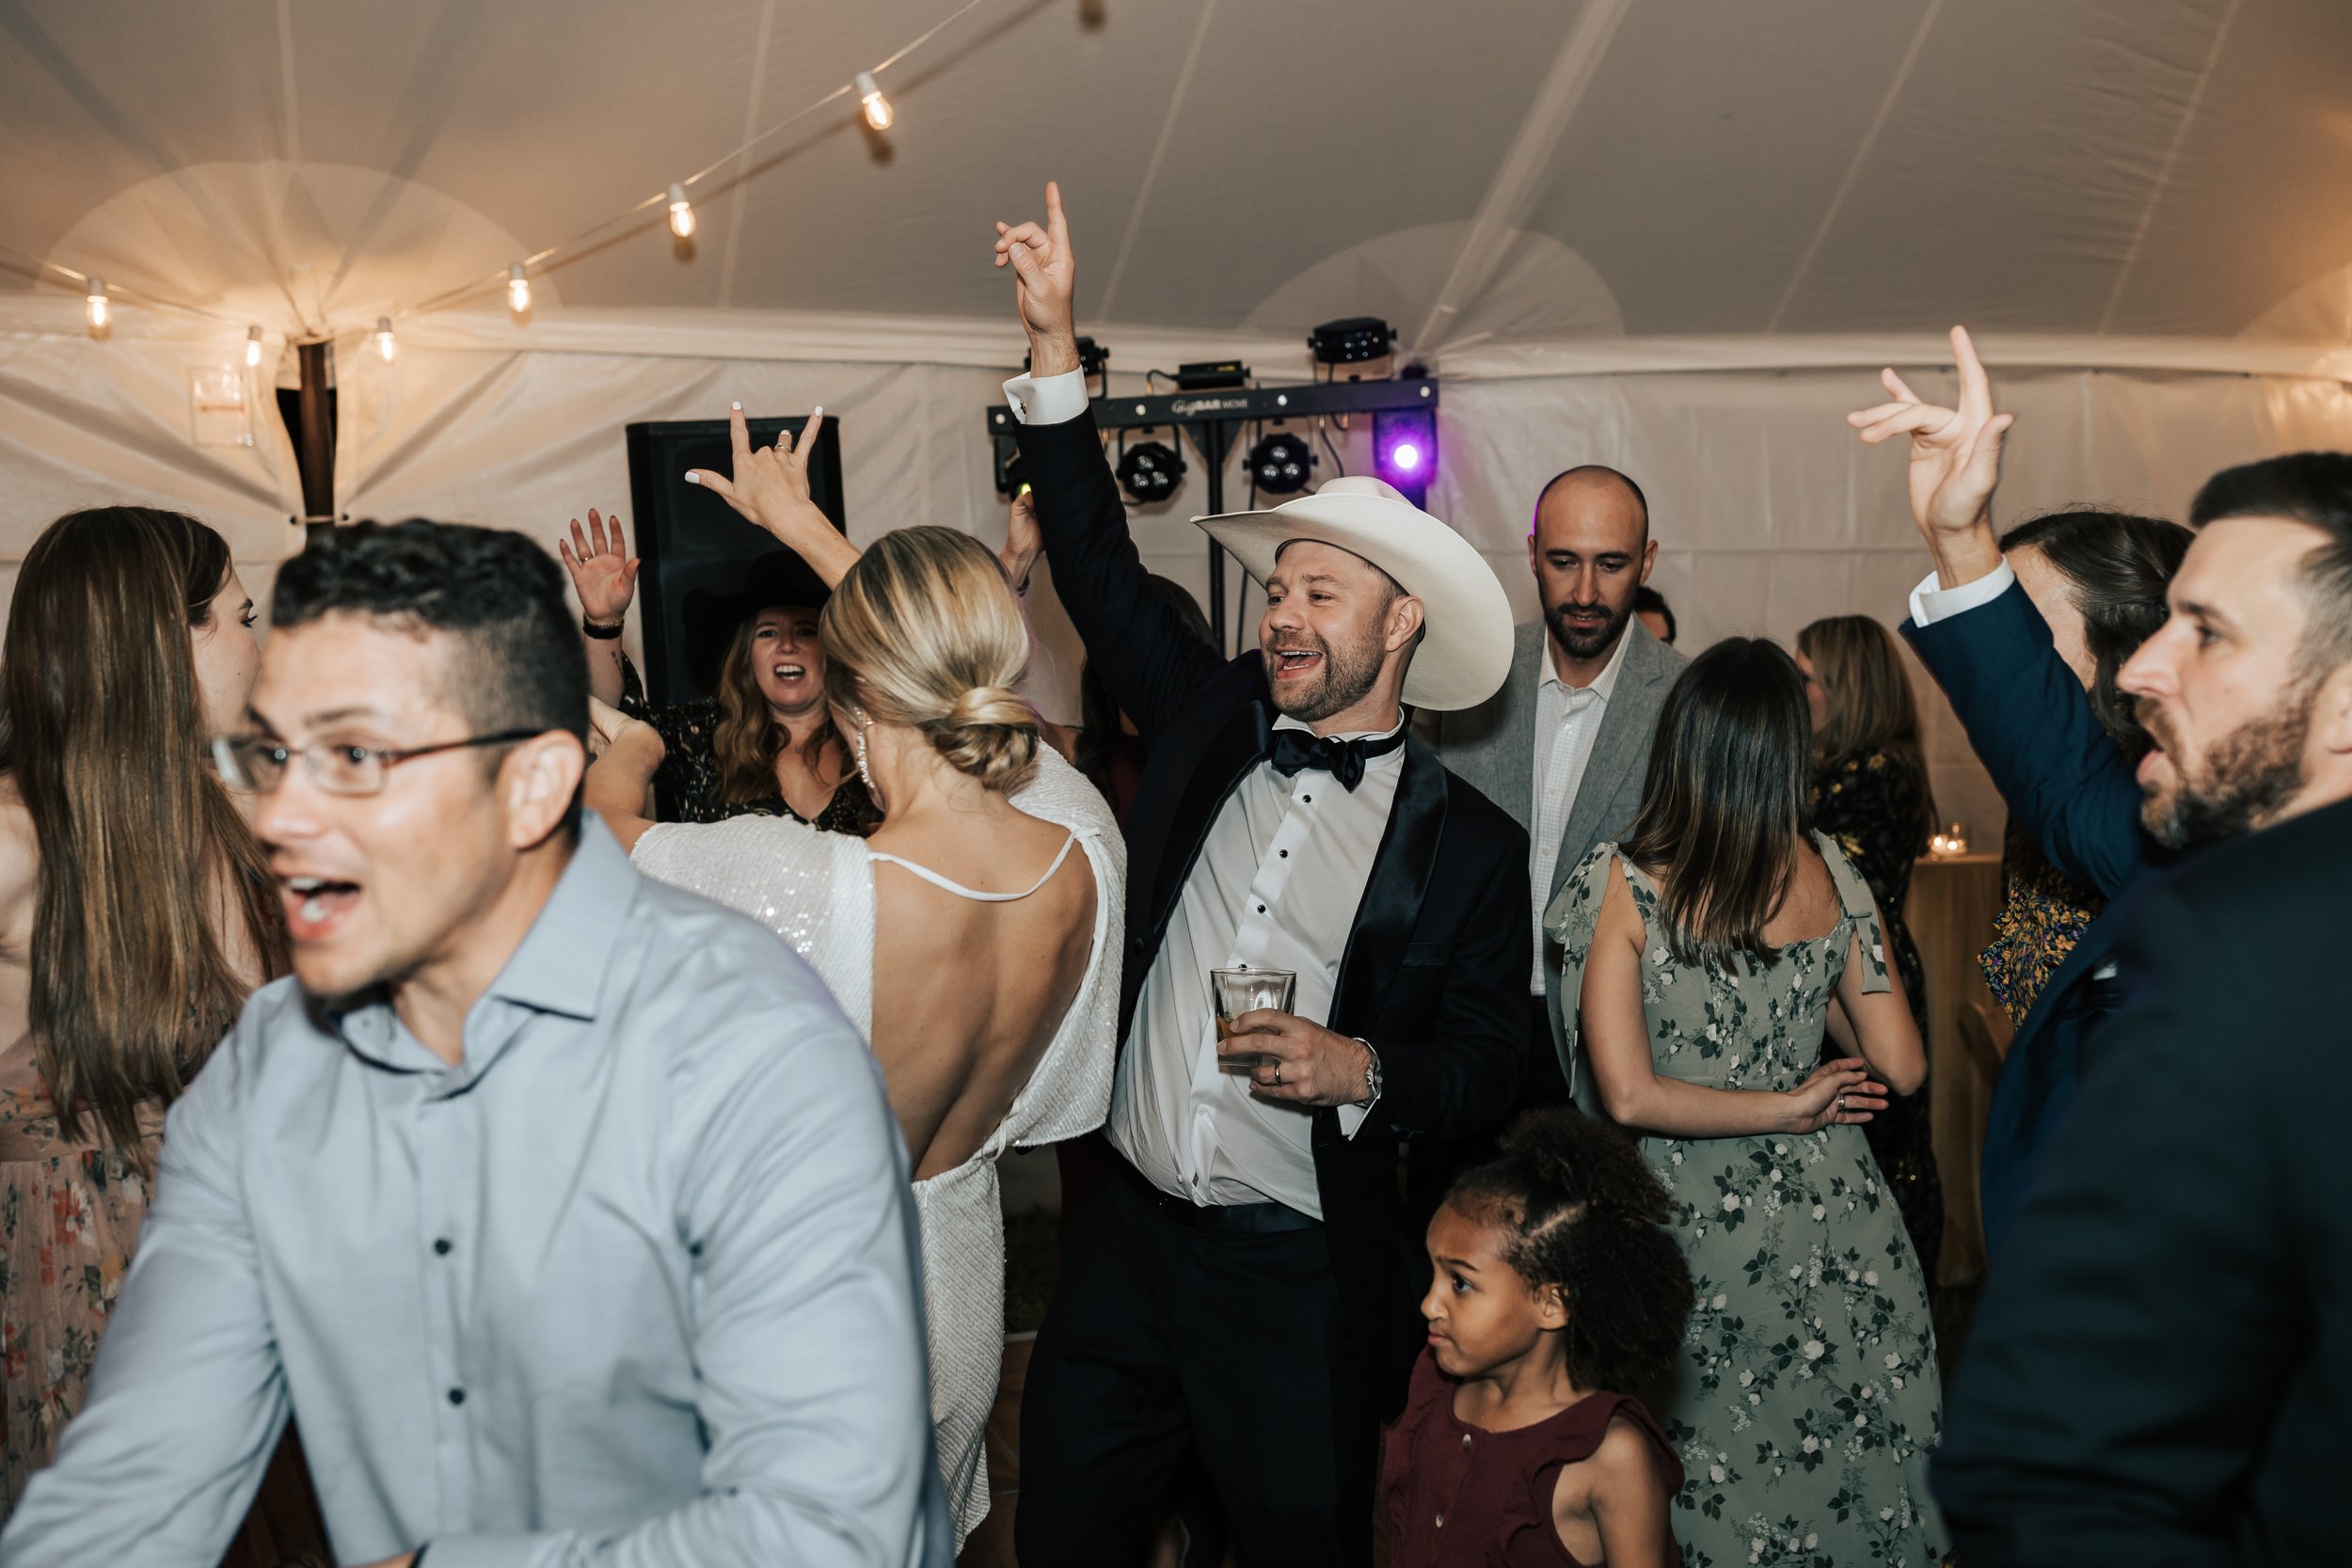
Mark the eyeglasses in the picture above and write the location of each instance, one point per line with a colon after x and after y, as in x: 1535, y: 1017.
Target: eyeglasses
x: 250, y: 762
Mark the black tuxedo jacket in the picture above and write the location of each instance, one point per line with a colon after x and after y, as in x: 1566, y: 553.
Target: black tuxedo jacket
x: 1435, y: 973
x: 2161, y: 1366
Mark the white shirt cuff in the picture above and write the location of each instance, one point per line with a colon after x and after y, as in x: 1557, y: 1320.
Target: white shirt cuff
x: 1047, y: 400
x: 1932, y: 601
x: 1352, y: 1118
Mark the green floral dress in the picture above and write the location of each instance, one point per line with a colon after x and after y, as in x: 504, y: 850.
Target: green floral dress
x: 1808, y: 1401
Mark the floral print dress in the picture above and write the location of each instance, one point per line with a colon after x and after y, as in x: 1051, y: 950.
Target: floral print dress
x: 1807, y: 1402
x: 69, y: 1215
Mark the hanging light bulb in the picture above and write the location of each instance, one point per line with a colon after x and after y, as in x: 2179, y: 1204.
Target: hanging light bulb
x: 681, y: 213
x: 517, y: 289
x: 877, y: 107
x: 101, y: 308
x: 385, y: 344
x: 252, y: 347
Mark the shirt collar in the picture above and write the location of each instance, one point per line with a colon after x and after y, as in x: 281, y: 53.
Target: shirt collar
x: 559, y: 966
x: 1284, y: 722
x: 1603, y: 685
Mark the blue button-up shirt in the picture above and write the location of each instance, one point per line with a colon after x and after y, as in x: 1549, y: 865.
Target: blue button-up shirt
x: 634, y: 1283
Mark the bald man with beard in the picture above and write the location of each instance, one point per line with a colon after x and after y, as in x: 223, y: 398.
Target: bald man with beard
x: 1562, y: 747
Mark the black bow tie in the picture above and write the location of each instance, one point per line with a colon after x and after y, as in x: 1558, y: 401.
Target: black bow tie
x: 1343, y: 760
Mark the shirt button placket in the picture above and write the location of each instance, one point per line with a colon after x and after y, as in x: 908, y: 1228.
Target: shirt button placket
x: 448, y: 1165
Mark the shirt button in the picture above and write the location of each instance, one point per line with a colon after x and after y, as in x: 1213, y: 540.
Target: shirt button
x: 458, y: 1396
x: 1466, y: 1440
x: 1261, y: 909
x: 441, y: 1245
x: 1284, y: 853
x: 1307, y: 799
x: 1441, y: 1521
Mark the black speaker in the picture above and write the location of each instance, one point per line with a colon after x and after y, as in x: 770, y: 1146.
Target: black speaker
x: 694, y: 544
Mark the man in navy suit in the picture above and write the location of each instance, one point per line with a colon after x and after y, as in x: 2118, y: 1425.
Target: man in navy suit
x: 2161, y: 1368
x: 2032, y: 725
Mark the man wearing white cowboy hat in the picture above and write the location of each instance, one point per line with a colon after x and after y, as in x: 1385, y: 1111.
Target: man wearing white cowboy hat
x: 1243, y: 1286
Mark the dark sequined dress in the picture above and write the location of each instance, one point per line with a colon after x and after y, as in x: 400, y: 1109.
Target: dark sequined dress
x: 687, y: 785
x: 1875, y: 805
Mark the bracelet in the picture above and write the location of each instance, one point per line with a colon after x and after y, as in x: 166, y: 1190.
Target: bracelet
x: 1371, y: 1072
x: 603, y: 633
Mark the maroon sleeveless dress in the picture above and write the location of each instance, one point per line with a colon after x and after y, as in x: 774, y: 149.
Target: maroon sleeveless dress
x: 1455, y: 1495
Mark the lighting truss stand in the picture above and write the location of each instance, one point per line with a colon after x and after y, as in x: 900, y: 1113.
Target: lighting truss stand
x: 1213, y: 420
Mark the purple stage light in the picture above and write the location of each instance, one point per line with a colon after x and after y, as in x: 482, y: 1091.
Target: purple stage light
x: 1405, y: 451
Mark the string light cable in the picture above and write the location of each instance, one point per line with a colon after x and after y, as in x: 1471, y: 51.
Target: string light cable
x: 876, y: 109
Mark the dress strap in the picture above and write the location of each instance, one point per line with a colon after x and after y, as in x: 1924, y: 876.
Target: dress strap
x: 945, y: 885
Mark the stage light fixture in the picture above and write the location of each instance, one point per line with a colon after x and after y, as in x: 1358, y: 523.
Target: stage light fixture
x: 877, y: 107
x: 252, y: 347
x: 1149, y: 471
x: 100, y: 309
x: 1351, y: 341
x: 1405, y: 451
x: 681, y: 213
x: 1281, y: 464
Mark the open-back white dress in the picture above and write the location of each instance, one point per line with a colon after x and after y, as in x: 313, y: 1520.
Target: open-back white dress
x: 815, y: 890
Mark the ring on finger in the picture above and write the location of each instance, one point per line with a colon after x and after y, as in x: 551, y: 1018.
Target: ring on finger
x: 1841, y: 1105
x: 1277, y: 1075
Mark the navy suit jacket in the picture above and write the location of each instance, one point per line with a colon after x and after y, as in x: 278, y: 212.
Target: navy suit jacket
x: 2159, y: 1371
x: 2067, y: 783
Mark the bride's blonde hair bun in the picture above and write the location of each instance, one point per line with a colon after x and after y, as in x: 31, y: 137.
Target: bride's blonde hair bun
x: 924, y: 631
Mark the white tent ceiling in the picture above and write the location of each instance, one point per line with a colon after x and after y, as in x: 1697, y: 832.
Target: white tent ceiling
x: 1544, y: 169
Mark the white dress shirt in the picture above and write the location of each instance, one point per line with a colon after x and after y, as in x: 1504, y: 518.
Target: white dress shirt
x: 1276, y: 886
x: 1566, y: 719
x: 1932, y: 601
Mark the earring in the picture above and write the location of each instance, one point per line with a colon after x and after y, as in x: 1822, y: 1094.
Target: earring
x: 864, y: 771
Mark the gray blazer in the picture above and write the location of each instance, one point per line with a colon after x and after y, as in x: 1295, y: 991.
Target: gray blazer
x: 1493, y: 745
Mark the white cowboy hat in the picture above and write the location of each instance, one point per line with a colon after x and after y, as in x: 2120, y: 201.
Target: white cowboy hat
x: 1465, y: 652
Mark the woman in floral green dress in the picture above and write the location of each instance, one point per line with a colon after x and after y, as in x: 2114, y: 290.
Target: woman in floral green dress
x: 1709, y: 952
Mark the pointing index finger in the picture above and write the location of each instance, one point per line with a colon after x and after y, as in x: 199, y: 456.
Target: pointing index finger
x: 1975, y: 388
x: 739, y: 432
x: 1056, y: 226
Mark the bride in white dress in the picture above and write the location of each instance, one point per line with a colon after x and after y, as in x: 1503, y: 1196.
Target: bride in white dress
x: 975, y: 937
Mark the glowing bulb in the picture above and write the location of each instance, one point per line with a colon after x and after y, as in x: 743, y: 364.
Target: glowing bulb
x: 681, y: 214
x: 877, y: 107
x: 252, y: 347
x: 101, y: 308
x: 517, y: 289
x: 385, y: 344
x: 1407, y: 457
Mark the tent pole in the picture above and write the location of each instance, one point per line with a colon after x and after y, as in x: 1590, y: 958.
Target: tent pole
x: 314, y: 442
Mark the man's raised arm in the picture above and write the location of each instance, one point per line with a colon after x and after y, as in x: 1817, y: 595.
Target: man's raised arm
x: 1152, y: 664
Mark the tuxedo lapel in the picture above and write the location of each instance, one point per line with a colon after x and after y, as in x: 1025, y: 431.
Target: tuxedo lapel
x: 1393, y: 896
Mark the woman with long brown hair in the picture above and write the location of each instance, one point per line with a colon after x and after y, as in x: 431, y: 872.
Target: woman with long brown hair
x: 1706, y: 956
x: 1870, y: 792
x: 762, y: 743
x: 135, y: 915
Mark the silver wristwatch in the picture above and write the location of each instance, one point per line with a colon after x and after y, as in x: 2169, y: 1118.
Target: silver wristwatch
x: 1372, y: 1072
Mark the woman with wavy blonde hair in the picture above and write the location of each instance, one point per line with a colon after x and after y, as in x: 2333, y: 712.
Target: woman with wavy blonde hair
x: 997, y: 872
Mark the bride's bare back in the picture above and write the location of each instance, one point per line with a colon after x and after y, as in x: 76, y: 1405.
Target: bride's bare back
x: 968, y: 995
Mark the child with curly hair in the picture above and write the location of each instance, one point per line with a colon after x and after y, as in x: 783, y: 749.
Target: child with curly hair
x: 1554, y: 1287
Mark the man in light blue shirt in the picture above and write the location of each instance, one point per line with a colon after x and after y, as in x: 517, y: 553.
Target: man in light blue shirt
x: 563, y: 1210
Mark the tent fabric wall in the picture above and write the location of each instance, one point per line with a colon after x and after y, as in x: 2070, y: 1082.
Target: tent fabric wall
x: 1767, y: 511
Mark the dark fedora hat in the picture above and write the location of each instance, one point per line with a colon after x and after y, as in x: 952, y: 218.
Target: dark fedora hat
x: 778, y: 578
